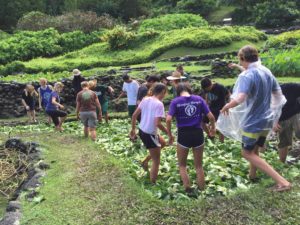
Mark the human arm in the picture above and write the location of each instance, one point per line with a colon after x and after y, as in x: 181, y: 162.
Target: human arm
x: 212, y: 124
x: 169, y: 125
x: 98, y: 105
x: 54, y: 102
x: 160, y: 126
x: 25, y: 93
x: 234, y: 65
x: 40, y: 98
x: 135, y: 115
x: 120, y: 96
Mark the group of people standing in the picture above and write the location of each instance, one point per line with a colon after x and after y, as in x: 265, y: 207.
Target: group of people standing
x: 256, y: 89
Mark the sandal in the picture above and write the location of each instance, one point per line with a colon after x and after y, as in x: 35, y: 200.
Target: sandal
x: 279, y: 188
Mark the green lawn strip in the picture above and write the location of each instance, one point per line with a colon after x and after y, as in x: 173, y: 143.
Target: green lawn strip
x: 85, y: 185
x: 183, y: 51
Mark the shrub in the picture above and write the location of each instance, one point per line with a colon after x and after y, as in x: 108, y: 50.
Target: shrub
x: 34, y: 21
x: 172, y: 21
x: 84, y: 21
x: 3, y: 35
x: 68, y: 22
x: 12, y: 68
x: 26, y: 45
x: 202, y: 7
x: 119, y: 38
x: 275, y: 13
x: 284, y: 40
x: 283, y: 62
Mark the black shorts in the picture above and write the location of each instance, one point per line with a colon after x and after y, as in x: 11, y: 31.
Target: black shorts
x: 149, y: 140
x: 190, y: 137
x: 55, y: 114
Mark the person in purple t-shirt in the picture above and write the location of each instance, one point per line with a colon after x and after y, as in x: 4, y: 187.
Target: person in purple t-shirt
x: 188, y: 110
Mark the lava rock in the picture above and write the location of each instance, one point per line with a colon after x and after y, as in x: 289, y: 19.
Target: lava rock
x: 13, y: 206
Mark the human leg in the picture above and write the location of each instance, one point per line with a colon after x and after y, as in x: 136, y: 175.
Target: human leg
x: 182, y: 154
x: 285, y: 138
x: 145, y: 162
x: 261, y: 164
x: 93, y: 134
x: 198, y: 157
x: 155, y: 156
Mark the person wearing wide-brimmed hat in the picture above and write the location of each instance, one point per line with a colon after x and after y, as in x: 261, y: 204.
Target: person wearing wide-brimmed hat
x: 77, y: 79
x: 175, y: 79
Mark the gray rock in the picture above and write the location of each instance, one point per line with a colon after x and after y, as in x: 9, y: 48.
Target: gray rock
x: 13, y: 206
x: 11, y: 218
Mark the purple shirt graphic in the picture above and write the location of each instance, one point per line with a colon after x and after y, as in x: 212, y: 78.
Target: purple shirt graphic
x: 188, y: 111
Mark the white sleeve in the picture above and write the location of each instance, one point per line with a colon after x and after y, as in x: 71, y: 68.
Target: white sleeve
x: 124, y: 88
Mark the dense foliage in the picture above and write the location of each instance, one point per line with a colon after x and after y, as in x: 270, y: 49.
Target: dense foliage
x: 26, y: 45
x: 265, y: 13
x: 172, y: 21
x: 153, y: 45
x: 283, y: 62
x: 225, y: 170
x: 11, y: 11
x: 67, y: 22
x: 284, y: 40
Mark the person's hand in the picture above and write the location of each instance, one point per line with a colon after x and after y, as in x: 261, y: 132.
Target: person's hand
x: 100, y: 118
x: 40, y: 108
x: 171, y: 139
x: 27, y: 107
x: 233, y: 65
x: 212, y: 132
x: 225, y: 110
x: 276, y: 127
x: 61, y: 107
x: 132, y: 135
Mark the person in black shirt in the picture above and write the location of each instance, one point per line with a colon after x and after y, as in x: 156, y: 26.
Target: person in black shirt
x: 28, y: 100
x: 144, y: 88
x: 289, y: 121
x: 77, y: 79
x: 216, y: 96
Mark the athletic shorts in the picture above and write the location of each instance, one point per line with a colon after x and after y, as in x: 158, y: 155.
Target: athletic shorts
x: 104, y: 107
x: 31, y: 106
x: 190, y: 137
x: 55, y: 114
x: 149, y: 140
x: 89, y: 119
x: 131, y: 109
x: 288, y: 127
x: 250, y: 140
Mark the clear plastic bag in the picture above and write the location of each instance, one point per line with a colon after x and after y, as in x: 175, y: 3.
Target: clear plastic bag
x: 261, y: 109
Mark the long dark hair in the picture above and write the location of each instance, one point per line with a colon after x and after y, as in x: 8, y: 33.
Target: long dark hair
x: 183, y: 87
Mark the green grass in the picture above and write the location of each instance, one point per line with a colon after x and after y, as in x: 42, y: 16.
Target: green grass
x: 218, y: 15
x: 183, y: 51
x: 85, y: 185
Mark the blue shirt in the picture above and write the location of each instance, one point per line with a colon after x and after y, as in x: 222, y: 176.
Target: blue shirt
x: 45, y: 95
x: 258, y: 83
x: 50, y: 106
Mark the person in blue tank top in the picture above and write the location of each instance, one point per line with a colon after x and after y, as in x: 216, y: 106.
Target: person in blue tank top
x: 44, y: 95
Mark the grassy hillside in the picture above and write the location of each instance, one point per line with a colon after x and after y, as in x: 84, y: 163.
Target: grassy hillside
x: 100, y: 55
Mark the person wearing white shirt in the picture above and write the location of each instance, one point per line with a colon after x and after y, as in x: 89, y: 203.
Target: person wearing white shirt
x: 130, y: 88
